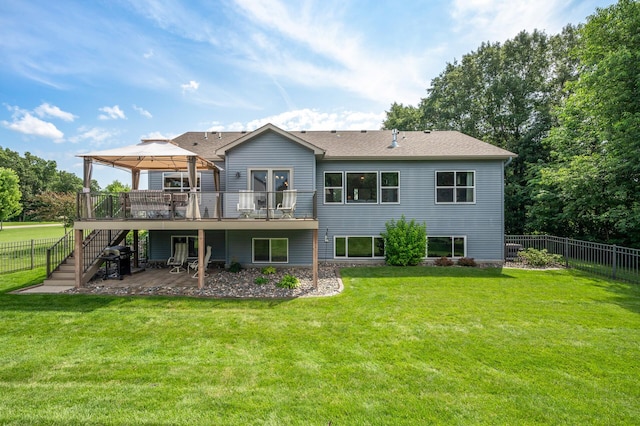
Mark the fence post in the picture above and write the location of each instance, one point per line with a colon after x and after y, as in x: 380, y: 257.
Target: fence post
x: 48, y: 262
x: 566, y: 252
x: 614, y: 261
x: 33, y: 253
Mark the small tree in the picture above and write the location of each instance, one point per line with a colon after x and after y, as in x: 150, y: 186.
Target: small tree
x: 405, y: 243
x: 10, y: 194
x: 56, y: 206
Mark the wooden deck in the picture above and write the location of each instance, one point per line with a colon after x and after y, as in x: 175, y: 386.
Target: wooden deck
x: 150, y: 277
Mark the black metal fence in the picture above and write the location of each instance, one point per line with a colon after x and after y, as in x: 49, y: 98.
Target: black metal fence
x: 23, y: 255
x: 613, y: 261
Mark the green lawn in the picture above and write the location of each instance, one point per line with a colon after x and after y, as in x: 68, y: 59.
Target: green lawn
x: 400, y: 346
x: 11, y: 233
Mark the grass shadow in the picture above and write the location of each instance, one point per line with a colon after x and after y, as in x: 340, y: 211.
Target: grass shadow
x: 425, y: 271
x: 84, y: 303
x: 625, y: 294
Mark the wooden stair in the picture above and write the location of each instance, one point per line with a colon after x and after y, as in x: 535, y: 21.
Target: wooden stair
x: 64, y: 275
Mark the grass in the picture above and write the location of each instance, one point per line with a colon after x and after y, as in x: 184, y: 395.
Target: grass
x: 12, y: 234
x: 399, y: 346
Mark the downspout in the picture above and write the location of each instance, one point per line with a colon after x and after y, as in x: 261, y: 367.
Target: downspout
x: 508, y: 161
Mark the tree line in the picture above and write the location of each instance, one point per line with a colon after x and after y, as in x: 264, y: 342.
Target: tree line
x: 33, y: 189
x: 569, y: 106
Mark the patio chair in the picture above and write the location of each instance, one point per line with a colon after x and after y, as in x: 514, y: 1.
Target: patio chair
x: 288, y: 204
x: 194, y: 265
x: 177, y: 260
x: 246, y: 204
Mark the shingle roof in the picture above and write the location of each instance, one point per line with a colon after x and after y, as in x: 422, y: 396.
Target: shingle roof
x: 365, y: 144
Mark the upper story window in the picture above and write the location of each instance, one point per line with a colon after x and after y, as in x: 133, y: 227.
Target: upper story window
x: 362, y: 187
x: 333, y: 187
x: 178, y: 181
x: 455, y: 187
x: 389, y: 187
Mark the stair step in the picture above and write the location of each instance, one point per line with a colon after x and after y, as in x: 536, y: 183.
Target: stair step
x: 58, y: 282
x: 61, y: 275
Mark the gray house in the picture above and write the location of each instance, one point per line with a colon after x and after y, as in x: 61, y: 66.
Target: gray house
x: 273, y: 197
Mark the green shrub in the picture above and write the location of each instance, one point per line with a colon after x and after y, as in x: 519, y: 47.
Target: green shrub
x: 539, y: 258
x: 261, y: 280
x: 443, y: 261
x: 268, y: 270
x: 467, y: 261
x: 288, y: 281
x: 405, y: 243
x: 235, y: 267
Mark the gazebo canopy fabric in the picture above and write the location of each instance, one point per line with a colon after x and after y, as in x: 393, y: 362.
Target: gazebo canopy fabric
x: 149, y: 155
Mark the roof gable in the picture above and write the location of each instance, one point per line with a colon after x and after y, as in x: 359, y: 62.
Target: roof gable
x: 221, y: 152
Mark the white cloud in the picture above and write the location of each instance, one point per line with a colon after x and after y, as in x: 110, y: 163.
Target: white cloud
x: 46, y: 110
x: 112, y: 113
x: 499, y: 20
x: 149, y: 54
x: 143, y: 112
x: 337, y: 55
x: 310, y: 119
x: 24, y: 122
x: 157, y: 136
x: 95, y: 136
x: 191, y: 86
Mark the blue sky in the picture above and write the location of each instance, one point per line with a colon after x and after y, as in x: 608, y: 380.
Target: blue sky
x: 80, y: 76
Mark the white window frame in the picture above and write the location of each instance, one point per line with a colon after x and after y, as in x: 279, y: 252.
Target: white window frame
x: 397, y: 188
x: 253, y: 250
x: 341, y: 187
x: 377, y: 188
x: 346, y: 247
x: 184, y: 181
x: 455, y: 187
x: 187, y: 238
x: 261, y: 200
x: 453, y: 241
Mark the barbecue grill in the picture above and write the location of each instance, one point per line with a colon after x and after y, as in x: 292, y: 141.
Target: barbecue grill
x: 117, y: 262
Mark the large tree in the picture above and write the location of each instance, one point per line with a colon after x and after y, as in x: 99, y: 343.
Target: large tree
x: 9, y: 194
x: 593, y: 187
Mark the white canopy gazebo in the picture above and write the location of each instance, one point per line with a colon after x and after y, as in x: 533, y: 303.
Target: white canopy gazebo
x: 153, y: 154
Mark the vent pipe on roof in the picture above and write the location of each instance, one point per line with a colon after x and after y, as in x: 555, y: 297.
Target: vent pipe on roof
x: 394, y: 142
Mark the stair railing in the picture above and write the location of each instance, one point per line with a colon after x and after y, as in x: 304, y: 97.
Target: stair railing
x: 59, y: 252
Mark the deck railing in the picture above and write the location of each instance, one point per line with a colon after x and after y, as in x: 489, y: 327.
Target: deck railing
x: 167, y: 205
x: 613, y: 261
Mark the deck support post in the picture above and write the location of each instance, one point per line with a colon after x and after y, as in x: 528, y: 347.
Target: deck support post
x: 78, y: 257
x: 315, y: 258
x: 201, y: 266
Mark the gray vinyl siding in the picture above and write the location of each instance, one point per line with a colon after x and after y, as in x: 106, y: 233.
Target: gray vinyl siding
x: 270, y: 151
x: 160, y: 243
x: 239, y: 245
x: 481, y: 223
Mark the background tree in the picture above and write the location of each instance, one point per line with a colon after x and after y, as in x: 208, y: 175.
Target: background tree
x: 116, y: 186
x: 403, y: 117
x: 36, y: 176
x: 9, y: 195
x: 593, y: 186
x: 55, y: 206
